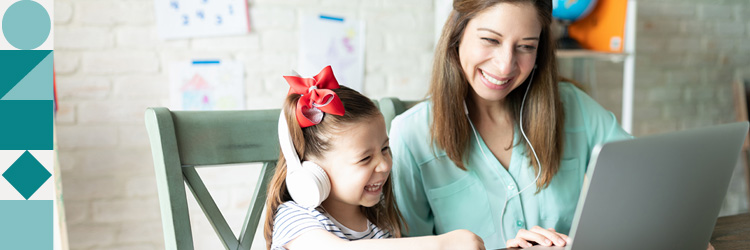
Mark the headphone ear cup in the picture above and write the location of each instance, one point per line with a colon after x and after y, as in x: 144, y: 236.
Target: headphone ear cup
x: 309, y: 186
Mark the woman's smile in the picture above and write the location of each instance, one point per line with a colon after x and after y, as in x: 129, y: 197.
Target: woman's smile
x: 494, y: 82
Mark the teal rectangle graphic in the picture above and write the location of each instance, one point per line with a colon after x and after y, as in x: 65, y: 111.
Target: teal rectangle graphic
x: 26, y: 125
x: 26, y: 224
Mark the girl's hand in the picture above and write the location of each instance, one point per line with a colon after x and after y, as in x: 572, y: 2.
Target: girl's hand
x: 460, y: 239
x: 544, y: 237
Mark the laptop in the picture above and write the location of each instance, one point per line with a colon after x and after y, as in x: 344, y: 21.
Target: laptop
x: 656, y: 192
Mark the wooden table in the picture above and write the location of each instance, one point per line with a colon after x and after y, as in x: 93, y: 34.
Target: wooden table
x: 730, y: 232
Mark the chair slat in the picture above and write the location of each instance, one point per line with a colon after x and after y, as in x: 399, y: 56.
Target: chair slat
x: 212, y: 212
x: 256, y: 208
x: 225, y: 137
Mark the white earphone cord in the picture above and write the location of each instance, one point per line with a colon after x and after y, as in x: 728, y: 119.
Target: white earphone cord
x: 520, y: 124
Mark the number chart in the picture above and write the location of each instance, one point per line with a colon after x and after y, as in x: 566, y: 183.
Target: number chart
x: 201, y: 18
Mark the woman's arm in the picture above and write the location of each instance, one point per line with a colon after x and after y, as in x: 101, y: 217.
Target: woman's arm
x: 322, y: 239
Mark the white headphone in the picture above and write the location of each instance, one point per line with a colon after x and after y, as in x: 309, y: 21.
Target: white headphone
x: 520, y: 125
x: 308, y: 183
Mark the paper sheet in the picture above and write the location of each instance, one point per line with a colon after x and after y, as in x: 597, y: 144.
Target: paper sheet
x: 336, y: 41
x: 201, y: 18
x: 207, y: 85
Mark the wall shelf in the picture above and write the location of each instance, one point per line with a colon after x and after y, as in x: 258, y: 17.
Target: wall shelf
x: 582, y: 53
x: 627, y: 57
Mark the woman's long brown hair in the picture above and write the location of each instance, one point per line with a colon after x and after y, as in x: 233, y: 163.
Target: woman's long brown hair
x: 313, y: 141
x: 543, y: 112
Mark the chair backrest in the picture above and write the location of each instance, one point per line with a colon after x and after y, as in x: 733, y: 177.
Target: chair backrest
x: 183, y: 140
x: 391, y: 107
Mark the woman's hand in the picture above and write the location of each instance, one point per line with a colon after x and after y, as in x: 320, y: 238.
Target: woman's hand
x: 710, y: 247
x: 460, y: 239
x: 544, y: 237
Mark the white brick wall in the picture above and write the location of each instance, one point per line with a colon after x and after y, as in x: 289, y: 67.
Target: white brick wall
x: 66, y: 62
x: 84, y: 38
x: 91, y: 235
x: 111, y: 65
x: 119, y: 62
x: 698, y: 45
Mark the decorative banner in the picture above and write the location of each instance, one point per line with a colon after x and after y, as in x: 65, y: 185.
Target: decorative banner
x: 30, y: 198
x: 26, y: 125
x: 207, y: 85
x: 328, y: 40
x: 25, y: 175
x: 200, y: 18
x: 26, y: 25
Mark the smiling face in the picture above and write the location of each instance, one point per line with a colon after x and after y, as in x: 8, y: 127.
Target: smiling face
x: 358, y: 163
x: 498, y: 49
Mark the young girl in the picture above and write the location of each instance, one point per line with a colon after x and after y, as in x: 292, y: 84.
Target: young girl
x: 341, y: 196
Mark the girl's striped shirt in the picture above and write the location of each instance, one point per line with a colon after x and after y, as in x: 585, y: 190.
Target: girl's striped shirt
x: 292, y: 220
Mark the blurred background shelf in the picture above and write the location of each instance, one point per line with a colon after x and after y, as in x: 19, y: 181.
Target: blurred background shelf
x: 582, y: 53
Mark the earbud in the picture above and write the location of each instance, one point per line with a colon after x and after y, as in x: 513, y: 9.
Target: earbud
x: 308, y: 183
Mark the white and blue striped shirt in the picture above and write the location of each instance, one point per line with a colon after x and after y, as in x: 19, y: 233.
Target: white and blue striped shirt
x: 292, y: 220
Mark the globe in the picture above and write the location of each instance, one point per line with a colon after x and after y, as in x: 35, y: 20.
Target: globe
x: 568, y: 11
x: 572, y: 10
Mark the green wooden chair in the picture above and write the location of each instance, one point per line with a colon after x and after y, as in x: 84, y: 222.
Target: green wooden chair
x: 184, y: 140
x: 391, y: 107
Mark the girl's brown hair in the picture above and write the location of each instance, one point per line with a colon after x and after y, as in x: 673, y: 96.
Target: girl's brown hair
x: 313, y: 141
x: 449, y: 88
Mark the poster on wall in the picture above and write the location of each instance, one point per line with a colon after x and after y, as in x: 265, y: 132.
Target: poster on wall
x: 206, y: 85
x: 201, y: 18
x: 336, y: 41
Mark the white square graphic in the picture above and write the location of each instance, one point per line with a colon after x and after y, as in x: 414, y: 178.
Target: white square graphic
x: 49, y: 6
x: 45, y: 192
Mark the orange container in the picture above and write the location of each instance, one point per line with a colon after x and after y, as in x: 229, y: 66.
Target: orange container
x: 604, y: 28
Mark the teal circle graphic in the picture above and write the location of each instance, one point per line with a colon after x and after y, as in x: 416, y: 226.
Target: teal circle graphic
x: 26, y: 24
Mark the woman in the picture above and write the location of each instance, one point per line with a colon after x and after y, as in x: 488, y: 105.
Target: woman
x: 501, y: 146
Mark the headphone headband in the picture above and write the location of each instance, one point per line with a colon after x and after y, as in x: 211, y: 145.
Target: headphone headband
x: 285, y: 141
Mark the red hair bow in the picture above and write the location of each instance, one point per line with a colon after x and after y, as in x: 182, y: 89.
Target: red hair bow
x: 317, y: 97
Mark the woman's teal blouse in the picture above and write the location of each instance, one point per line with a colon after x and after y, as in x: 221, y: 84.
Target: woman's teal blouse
x: 436, y: 197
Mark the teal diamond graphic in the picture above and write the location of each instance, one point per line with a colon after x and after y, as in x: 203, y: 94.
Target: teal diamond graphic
x: 26, y: 175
